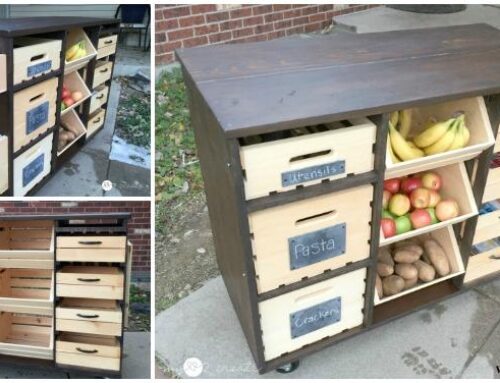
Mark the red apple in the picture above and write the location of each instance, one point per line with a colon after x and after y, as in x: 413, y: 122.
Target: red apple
x: 420, y: 218
x: 392, y: 185
x: 65, y: 93
x: 434, y: 198
x: 68, y: 101
x: 411, y: 183
x: 385, y: 199
x: 399, y: 204
x: 431, y: 181
x: 388, y: 227
x: 447, y: 209
x: 419, y: 198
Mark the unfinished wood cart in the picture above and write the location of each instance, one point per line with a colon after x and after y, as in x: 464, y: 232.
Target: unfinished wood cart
x: 63, y: 290
x: 276, y: 189
x: 33, y: 71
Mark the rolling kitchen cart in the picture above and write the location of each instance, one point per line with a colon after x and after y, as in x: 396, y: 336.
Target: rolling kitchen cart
x: 292, y: 138
x: 33, y: 71
x: 63, y: 290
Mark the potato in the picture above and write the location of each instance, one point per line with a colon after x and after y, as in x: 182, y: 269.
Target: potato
x: 378, y: 286
x: 415, y: 248
x: 426, y: 272
x: 384, y: 270
x: 61, y: 144
x: 406, y: 256
x: 384, y: 256
x: 437, y: 256
x: 409, y: 283
x: 406, y: 271
x: 72, y: 129
x: 393, y: 284
x: 71, y: 136
x: 405, y: 242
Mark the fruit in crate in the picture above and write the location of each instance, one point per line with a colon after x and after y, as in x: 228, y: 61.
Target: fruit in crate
x: 388, y: 227
x: 76, y: 51
x: 407, y: 263
x: 403, y: 224
x: 420, y: 198
x: 410, y: 183
x: 431, y: 181
x: 420, y: 218
x: 399, y: 204
x: 447, y: 209
x: 392, y: 185
x: 436, y: 137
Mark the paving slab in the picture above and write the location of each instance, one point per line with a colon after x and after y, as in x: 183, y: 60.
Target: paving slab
x: 383, y: 19
x: 432, y: 343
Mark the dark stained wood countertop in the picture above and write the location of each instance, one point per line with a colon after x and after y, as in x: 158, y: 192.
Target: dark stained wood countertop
x: 269, y: 86
x: 30, y: 25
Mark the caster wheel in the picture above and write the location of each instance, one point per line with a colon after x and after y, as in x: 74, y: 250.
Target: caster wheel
x: 288, y: 368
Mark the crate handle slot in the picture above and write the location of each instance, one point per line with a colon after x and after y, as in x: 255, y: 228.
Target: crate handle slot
x: 34, y: 98
x: 311, y: 295
x: 316, y: 217
x: 37, y: 57
x: 108, y: 42
x: 310, y: 155
x: 87, y: 351
x: 90, y: 242
x: 87, y: 316
x: 96, y: 120
x: 89, y: 279
x: 495, y: 257
x: 104, y: 70
x: 100, y: 96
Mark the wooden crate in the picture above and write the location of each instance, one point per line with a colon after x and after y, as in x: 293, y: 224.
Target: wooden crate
x: 71, y: 120
x: 492, y: 190
x: 27, y: 291
x: 446, y: 238
x: 93, y: 282
x: 476, y: 119
x: 4, y: 164
x: 34, y: 57
x: 87, y: 351
x: 91, y: 248
x: 27, y: 244
x: 96, y: 121
x: 89, y: 316
x: 73, y: 37
x: 99, y: 98
x: 34, y: 112
x: 302, y: 239
x: 29, y: 336
x: 74, y: 82
x: 32, y: 166
x: 290, y: 321
x: 456, y: 185
x: 483, y: 264
x: 488, y: 227
x: 106, y: 46
x: 284, y: 164
x: 102, y: 73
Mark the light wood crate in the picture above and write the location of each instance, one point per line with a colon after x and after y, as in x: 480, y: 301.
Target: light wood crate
x: 305, y: 238
x: 72, y: 120
x: 488, y: 227
x: 96, y: 121
x: 74, y: 82
x: 284, y: 164
x: 34, y: 112
x: 482, y: 265
x: 73, y: 37
x: 106, y: 46
x: 102, y: 73
x: 492, y: 190
x: 278, y: 315
x: 91, y: 248
x: 99, y: 98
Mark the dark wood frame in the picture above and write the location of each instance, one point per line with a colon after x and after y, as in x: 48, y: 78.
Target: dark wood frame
x: 217, y: 131
x: 57, y: 28
x: 60, y: 220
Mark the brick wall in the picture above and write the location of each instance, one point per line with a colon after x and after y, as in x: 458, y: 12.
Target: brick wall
x: 139, y: 226
x: 184, y: 26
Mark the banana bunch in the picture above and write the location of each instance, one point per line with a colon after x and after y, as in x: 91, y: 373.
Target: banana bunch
x: 437, y: 137
x: 76, y: 51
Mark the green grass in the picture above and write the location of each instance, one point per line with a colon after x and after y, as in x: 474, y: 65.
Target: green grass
x: 134, y: 120
x: 177, y: 164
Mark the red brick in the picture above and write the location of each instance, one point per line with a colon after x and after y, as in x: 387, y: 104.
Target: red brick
x: 273, y: 17
x: 166, y: 25
x: 203, y: 8
x: 283, y: 24
x: 160, y: 37
x: 261, y: 9
x: 158, y: 15
x: 219, y: 37
x: 217, y: 16
x: 312, y: 27
x: 300, y: 20
x: 231, y: 24
x: 263, y: 28
x: 275, y: 35
x: 309, y: 10
x: 291, y: 13
x: 317, y: 17
x: 241, y: 12
x: 253, y: 21
x: 242, y: 32
x: 325, y: 7
x: 206, y: 29
x: 170, y: 13
x: 281, y: 7
x: 295, y: 30
x: 180, y: 34
x: 194, y: 42
x: 191, y: 20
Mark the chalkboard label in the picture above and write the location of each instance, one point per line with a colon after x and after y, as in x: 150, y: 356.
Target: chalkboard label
x: 36, y: 117
x: 35, y: 69
x: 309, y: 248
x: 33, y: 169
x: 296, y: 177
x: 316, y: 317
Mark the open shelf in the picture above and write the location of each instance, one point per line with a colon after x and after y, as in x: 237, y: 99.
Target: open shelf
x: 74, y: 82
x: 71, y: 122
x: 73, y: 37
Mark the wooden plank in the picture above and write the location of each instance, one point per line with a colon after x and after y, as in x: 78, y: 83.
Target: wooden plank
x: 91, y: 242
x: 88, y: 313
x: 87, y: 361
x: 488, y: 227
x: 89, y: 327
x: 492, y: 190
x: 102, y: 73
x: 35, y: 51
x: 93, y: 292
x: 91, y: 255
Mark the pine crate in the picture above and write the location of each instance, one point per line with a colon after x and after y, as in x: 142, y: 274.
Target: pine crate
x: 96, y: 121
x: 102, y: 72
x: 99, y: 98
x: 72, y: 120
x: 483, y: 264
x: 91, y: 248
x: 73, y: 37
x: 74, y: 82
x: 492, y: 190
x: 106, y: 46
